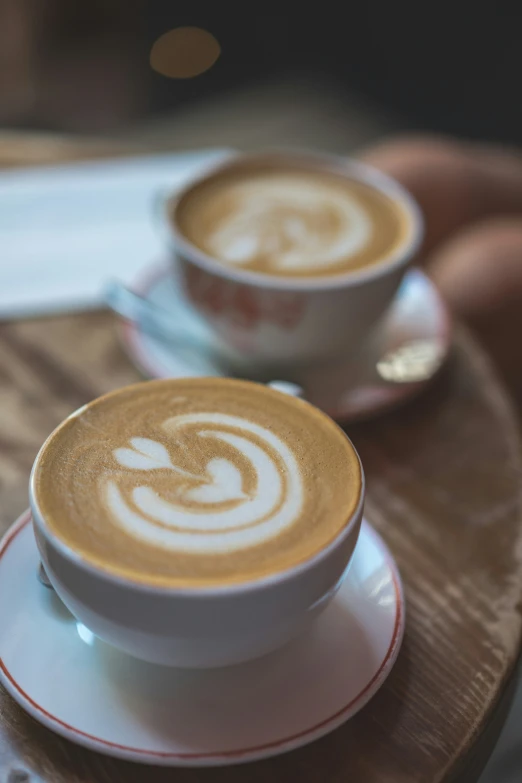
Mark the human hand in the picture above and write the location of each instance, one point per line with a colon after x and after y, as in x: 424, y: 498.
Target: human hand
x: 471, y: 197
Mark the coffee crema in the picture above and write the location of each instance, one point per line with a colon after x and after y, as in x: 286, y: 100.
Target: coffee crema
x: 197, y: 482
x: 289, y: 221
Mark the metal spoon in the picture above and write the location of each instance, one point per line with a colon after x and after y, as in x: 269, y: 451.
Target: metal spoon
x: 158, y: 322
x: 412, y: 362
x: 151, y: 318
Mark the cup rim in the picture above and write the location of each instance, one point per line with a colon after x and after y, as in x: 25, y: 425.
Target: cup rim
x: 193, y: 591
x: 352, y: 168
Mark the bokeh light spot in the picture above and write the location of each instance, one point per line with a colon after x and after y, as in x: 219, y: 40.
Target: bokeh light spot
x: 184, y: 52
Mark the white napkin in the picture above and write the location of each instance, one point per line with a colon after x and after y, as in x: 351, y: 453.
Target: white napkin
x: 65, y: 230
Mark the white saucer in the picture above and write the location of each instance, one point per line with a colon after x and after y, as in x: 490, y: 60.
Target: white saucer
x: 411, y: 345
x: 95, y: 696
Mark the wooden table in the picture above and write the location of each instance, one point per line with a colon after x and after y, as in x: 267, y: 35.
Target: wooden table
x: 444, y: 478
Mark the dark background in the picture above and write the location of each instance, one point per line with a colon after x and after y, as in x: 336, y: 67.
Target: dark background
x: 83, y: 66
x: 452, y: 68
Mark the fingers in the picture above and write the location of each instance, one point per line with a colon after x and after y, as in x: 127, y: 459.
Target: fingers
x: 455, y: 183
x: 479, y: 272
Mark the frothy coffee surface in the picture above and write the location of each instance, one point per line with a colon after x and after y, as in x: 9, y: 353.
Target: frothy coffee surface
x: 197, y: 481
x: 291, y: 222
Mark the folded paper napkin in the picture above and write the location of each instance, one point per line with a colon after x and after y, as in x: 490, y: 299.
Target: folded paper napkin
x: 65, y: 230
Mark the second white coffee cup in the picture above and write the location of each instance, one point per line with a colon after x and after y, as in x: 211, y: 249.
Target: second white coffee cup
x: 262, y: 323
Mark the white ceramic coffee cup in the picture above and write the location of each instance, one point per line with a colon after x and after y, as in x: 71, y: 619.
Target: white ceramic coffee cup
x: 195, y: 627
x: 261, y: 323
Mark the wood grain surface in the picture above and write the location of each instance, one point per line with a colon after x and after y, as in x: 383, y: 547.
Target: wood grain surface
x: 444, y: 487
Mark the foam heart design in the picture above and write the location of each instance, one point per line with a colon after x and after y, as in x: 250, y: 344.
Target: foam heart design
x: 208, y: 511
x: 226, y: 484
x: 146, y: 454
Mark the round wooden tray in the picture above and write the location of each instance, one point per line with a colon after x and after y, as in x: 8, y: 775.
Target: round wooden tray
x: 444, y: 479
x: 444, y: 490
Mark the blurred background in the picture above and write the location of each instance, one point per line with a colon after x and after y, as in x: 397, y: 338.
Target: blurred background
x: 306, y: 78
x: 314, y: 78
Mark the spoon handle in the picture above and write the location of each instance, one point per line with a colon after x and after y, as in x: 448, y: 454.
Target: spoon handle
x: 151, y: 319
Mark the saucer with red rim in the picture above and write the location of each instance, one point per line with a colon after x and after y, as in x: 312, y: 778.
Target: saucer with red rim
x: 107, y: 701
x: 403, y: 356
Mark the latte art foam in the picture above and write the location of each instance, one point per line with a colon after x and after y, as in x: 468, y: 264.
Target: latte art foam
x: 193, y: 482
x: 290, y: 222
x: 293, y: 227
x: 210, y: 511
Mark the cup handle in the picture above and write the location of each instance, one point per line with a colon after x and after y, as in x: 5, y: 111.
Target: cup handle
x: 287, y: 388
